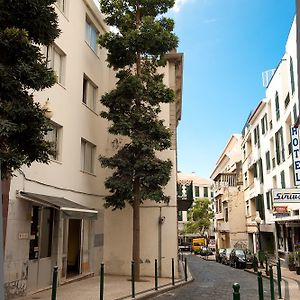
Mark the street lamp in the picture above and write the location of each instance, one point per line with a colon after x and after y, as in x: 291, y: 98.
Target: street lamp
x: 258, y: 222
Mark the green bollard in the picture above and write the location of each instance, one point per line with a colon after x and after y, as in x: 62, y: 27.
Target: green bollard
x: 260, y: 286
x: 102, y: 281
x: 185, y: 269
x: 279, y: 279
x: 271, y: 283
x: 132, y: 280
x: 155, y: 278
x: 236, y: 291
x: 54, y: 283
x: 267, y: 267
x: 173, y: 276
x: 255, y: 263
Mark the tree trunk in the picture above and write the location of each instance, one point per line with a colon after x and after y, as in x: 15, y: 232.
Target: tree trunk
x: 5, y: 201
x: 136, y: 229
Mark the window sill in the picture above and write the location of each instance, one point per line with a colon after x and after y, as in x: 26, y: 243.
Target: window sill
x: 56, y: 161
x: 90, y: 109
x: 61, y: 85
x: 96, y: 54
x: 88, y: 173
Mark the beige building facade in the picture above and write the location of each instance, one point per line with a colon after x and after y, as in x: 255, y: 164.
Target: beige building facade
x: 56, y: 215
x: 230, y: 222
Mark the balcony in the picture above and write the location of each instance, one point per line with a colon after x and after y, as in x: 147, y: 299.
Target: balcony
x: 224, y: 226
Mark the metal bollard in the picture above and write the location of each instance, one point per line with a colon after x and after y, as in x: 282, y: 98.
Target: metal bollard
x: 236, y: 291
x: 173, y: 276
x: 267, y: 267
x: 155, y: 275
x: 279, y: 279
x: 260, y: 286
x: 271, y: 283
x: 54, y: 283
x: 102, y: 281
x: 132, y: 280
x: 185, y: 269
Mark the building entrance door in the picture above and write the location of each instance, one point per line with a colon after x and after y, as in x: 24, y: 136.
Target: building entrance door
x: 74, y: 247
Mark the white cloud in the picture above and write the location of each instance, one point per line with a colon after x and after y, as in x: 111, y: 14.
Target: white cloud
x: 179, y: 4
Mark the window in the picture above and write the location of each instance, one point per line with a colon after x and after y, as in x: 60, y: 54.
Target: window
x: 268, y: 161
x: 282, y: 179
x: 292, y: 76
x: 197, y: 193
x: 277, y: 106
x: 91, y: 35
x: 205, y: 191
x: 269, y: 200
x: 56, y: 61
x: 264, y: 124
x: 295, y: 113
x: 61, y: 4
x: 246, y: 179
x: 87, y: 156
x: 261, y: 171
x: 53, y: 137
x: 279, y: 146
x: 179, y: 215
x: 89, y: 93
x: 287, y: 100
x: 256, y: 136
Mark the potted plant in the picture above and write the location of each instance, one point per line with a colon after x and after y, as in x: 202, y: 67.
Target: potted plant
x: 291, y: 261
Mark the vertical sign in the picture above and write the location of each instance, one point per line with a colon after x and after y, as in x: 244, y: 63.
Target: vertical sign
x: 296, y: 154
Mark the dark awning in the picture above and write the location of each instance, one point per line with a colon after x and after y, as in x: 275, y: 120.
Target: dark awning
x: 69, y: 208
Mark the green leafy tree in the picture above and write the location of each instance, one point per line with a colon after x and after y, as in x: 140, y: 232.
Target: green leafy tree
x: 199, y: 217
x: 135, y: 52
x: 24, y: 26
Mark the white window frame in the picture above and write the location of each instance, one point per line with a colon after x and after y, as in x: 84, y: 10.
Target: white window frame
x: 61, y: 4
x: 88, y: 151
x: 54, y: 136
x: 91, y: 35
x: 89, y: 93
x: 52, y: 55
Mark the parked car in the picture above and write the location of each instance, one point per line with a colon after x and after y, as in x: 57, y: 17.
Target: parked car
x: 226, y: 256
x: 219, y: 254
x: 205, y: 251
x: 241, y: 258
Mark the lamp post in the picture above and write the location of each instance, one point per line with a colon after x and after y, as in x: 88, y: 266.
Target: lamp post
x: 258, y: 222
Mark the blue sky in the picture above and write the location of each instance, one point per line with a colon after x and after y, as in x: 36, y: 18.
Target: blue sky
x: 227, y: 44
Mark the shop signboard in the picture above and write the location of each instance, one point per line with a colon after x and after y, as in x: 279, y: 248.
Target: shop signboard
x: 286, y: 196
x: 296, y: 154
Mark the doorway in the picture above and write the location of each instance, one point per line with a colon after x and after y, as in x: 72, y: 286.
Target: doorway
x: 74, y: 248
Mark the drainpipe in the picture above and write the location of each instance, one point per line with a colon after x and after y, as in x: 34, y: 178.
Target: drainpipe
x: 161, y: 220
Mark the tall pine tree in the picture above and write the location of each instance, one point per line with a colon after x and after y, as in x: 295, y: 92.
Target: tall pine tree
x: 136, y: 51
x: 24, y: 26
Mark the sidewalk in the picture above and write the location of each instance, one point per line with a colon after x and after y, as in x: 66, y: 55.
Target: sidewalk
x: 290, y: 283
x: 115, y: 287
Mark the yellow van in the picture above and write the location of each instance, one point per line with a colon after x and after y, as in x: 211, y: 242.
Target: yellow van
x: 197, y: 244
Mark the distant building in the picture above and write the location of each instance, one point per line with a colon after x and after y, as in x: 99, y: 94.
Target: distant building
x: 230, y: 223
x: 268, y: 161
x: 191, y: 187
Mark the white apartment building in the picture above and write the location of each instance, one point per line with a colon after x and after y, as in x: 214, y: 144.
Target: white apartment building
x: 230, y: 223
x: 56, y: 214
x: 191, y: 187
x: 268, y: 161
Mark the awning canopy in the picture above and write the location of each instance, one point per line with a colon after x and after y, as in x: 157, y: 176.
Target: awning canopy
x: 69, y: 208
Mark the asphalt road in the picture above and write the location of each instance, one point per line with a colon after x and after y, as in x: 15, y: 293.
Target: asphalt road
x: 214, y: 281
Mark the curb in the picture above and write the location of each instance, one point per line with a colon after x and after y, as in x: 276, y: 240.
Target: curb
x: 148, y: 294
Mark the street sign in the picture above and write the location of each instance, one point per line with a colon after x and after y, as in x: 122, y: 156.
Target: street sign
x: 286, y: 195
x: 296, y: 154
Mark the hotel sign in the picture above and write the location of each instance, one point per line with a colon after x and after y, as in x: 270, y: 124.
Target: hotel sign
x: 286, y: 195
x: 296, y: 154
